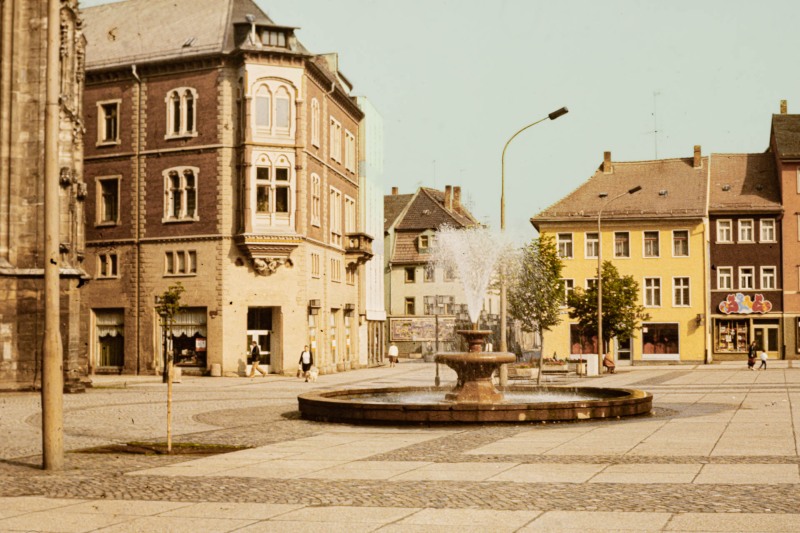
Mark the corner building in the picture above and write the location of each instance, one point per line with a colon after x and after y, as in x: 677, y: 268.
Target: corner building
x: 656, y: 235
x: 223, y: 155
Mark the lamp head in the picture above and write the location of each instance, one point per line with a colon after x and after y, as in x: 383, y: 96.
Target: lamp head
x: 635, y: 189
x: 558, y: 112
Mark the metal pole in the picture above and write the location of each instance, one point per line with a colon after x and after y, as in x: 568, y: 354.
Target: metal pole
x: 552, y: 116
x: 437, y: 381
x: 53, y: 357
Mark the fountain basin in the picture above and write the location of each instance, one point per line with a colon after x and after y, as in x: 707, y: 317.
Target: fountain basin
x: 362, y: 405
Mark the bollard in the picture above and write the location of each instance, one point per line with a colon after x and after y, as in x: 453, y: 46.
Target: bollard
x: 216, y: 370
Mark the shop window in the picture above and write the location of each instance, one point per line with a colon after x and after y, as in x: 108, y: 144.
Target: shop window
x: 660, y: 339
x: 110, y: 337
x: 731, y: 335
x: 189, y: 334
x: 581, y: 344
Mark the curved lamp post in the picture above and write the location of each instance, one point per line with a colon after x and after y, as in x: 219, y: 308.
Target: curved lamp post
x: 600, y: 353
x: 552, y: 116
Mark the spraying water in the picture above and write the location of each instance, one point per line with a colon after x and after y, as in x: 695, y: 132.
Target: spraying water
x: 473, y: 254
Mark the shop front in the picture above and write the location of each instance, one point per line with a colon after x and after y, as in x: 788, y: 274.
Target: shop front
x: 742, y: 318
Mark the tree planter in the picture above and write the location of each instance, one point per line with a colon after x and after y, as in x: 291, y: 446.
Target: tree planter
x: 554, y: 369
x: 520, y: 373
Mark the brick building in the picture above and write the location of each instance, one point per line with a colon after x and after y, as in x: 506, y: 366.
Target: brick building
x: 22, y: 131
x: 223, y: 155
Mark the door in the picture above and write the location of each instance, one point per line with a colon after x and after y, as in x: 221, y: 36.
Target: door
x: 766, y: 337
x: 259, y: 329
x: 624, y: 352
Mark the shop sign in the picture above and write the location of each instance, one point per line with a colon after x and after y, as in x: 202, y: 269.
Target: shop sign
x: 743, y: 305
x: 200, y: 344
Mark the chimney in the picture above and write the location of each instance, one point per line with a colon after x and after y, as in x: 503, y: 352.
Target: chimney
x: 783, y: 107
x: 607, y: 169
x: 457, y: 197
x: 395, y: 191
x: 698, y: 162
x: 448, y: 197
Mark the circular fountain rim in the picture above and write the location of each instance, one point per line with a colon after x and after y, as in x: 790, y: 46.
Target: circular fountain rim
x: 329, y: 405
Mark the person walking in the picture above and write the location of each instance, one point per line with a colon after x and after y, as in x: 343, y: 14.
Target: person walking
x: 393, y: 354
x: 763, y: 360
x: 751, y: 356
x: 255, y: 357
x: 306, y: 361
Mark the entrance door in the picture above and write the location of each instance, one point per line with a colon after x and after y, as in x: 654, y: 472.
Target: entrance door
x: 766, y: 337
x: 259, y: 329
x: 624, y: 352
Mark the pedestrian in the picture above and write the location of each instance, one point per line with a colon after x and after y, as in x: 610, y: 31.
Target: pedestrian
x: 751, y: 356
x: 609, y: 364
x: 306, y: 361
x: 393, y: 354
x: 255, y: 357
x: 763, y: 360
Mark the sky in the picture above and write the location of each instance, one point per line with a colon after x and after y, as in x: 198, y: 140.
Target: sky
x: 455, y: 79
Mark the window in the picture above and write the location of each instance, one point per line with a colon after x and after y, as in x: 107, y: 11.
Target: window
x: 449, y: 274
x: 349, y: 215
x: 181, y: 109
x: 316, y: 200
x: 680, y: 292
x: 409, y: 306
x: 768, y: 230
x: 680, y: 243
x: 272, y: 108
x: 430, y: 273
x: 724, y: 231
x: 349, y: 151
x: 660, y: 339
x: 108, y: 200
x: 350, y: 275
x: 732, y: 335
x: 622, y: 245
x: 424, y: 244
x: 108, y: 122
x: 107, y: 266
x: 336, y: 140
x: 315, y: 265
x: 180, y: 194
x: 592, y: 245
x: 282, y: 110
x: 263, y: 107
x: 110, y: 334
x: 315, y: 122
x: 273, y: 38
x: 725, y: 278
x: 591, y: 283
x: 651, y: 244
x: 411, y: 274
x: 564, y: 241
x: 746, y: 231
x: 746, y: 278
x: 335, y: 209
x: 336, y: 270
x: 180, y: 263
x: 652, y: 292
x: 273, y: 191
x: 569, y: 287
x: 768, y: 277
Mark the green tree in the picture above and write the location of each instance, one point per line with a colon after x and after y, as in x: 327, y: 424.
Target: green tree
x: 622, y: 315
x: 168, y: 305
x: 535, y: 293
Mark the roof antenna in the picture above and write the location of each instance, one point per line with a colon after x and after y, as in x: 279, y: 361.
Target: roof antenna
x: 434, y: 173
x: 655, y: 123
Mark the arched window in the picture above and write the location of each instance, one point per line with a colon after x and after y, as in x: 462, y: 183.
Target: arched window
x: 181, y: 110
x: 262, y: 107
x: 274, y: 191
x: 315, y: 122
x: 271, y: 111
x: 180, y: 194
x: 282, y: 109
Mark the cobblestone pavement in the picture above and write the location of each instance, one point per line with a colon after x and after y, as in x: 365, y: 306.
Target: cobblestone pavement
x: 719, y: 453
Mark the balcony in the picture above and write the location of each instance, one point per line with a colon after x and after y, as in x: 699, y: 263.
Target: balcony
x: 358, y: 248
x: 268, y: 252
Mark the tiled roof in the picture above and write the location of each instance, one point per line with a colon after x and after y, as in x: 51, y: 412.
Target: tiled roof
x: 786, y: 131
x: 744, y: 181
x: 393, y: 205
x: 670, y: 188
x: 427, y: 211
x: 141, y: 31
x: 405, y: 248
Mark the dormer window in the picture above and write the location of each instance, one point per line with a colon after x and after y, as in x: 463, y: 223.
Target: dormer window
x: 273, y: 38
x: 424, y: 243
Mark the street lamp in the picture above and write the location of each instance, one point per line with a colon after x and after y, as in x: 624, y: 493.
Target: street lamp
x: 602, y: 195
x: 552, y: 116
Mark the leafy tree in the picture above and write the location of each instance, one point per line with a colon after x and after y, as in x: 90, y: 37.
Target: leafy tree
x: 622, y: 315
x: 535, y: 293
x: 168, y: 305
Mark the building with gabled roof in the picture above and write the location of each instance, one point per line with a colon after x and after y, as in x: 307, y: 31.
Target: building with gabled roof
x: 223, y: 155
x: 419, y: 296
x: 656, y: 235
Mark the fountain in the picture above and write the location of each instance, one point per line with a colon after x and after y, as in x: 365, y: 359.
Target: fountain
x: 473, y: 252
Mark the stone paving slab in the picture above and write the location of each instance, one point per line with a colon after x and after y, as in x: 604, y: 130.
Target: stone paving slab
x: 749, y: 474
x: 598, y: 521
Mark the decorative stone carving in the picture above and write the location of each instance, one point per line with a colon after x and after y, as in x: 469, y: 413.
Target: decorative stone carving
x: 264, y: 266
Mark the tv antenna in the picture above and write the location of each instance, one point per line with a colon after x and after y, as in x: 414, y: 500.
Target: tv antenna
x: 655, y: 123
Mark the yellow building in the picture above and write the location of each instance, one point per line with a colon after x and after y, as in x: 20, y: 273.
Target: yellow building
x: 657, y: 235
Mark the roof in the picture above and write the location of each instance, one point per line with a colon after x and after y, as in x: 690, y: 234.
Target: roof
x: 141, y: 31
x: 744, y: 182
x: 786, y: 132
x: 670, y: 188
x: 427, y: 211
x: 393, y: 205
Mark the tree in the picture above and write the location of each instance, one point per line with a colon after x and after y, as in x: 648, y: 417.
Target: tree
x: 535, y: 294
x: 622, y: 315
x: 168, y: 305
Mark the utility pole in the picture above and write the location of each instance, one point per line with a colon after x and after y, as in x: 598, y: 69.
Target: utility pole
x: 52, y: 352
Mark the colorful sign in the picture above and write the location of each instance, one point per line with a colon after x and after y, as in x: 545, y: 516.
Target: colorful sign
x: 422, y: 328
x: 742, y: 304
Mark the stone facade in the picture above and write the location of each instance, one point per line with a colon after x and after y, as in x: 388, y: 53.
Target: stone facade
x: 22, y: 116
x: 225, y: 186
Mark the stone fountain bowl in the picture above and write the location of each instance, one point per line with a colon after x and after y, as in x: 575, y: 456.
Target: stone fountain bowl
x: 362, y: 406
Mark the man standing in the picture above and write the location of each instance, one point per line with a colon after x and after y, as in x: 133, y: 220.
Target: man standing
x: 255, y: 357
